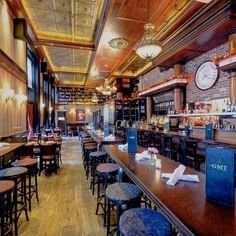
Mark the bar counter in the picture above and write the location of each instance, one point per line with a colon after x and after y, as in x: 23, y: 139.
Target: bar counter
x: 221, y: 142
x: 184, y: 205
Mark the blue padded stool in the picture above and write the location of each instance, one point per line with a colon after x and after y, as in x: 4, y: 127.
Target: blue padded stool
x: 121, y: 194
x: 144, y: 222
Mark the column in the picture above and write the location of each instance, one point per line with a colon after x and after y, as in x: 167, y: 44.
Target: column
x: 178, y: 99
x: 149, y: 108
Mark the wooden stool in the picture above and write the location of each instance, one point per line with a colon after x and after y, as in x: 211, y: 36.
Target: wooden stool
x: 95, y: 158
x: 143, y: 222
x: 106, y: 172
x: 6, y: 188
x: 18, y: 175
x: 120, y: 194
x: 31, y: 165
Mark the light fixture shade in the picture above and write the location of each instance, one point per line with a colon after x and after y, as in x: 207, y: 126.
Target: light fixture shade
x: 94, y: 98
x: 148, y: 48
x: 106, y: 89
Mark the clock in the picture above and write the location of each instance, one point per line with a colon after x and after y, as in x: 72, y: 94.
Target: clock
x: 206, y: 75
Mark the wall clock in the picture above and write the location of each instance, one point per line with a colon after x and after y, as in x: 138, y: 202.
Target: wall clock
x: 206, y: 75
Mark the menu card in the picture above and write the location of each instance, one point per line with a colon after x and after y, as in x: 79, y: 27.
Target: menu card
x: 132, y: 141
x: 106, y: 130
x: 209, y: 131
x: 220, y: 175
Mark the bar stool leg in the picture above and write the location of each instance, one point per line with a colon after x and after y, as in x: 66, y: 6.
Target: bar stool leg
x: 36, y: 185
x: 15, y: 208
x: 25, y: 200
x: 29, y: 191
x: 108, y: 217
x: 2, y: 213
x: 118, y: 213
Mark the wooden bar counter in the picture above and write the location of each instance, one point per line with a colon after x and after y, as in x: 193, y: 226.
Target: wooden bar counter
x: 102, y: 141
x: 184, y: 205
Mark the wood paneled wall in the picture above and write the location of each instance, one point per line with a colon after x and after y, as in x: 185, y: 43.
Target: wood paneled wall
x: 12, y: 75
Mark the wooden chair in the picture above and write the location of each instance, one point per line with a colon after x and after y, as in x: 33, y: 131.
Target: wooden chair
x: 48, y: 157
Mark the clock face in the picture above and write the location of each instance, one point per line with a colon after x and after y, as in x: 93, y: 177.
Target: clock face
x: 206, y: 75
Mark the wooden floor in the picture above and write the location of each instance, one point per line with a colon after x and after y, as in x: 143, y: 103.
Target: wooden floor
x: 66, y: 205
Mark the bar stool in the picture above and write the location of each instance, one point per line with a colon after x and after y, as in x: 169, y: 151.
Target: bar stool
x: 18, y: 175
x: 88, y: 150
x: 120, y: 194
x: 168, y: 147
x: 95, y: 159
x: 31, y: 165
x: 106, y: 172
x: 143, y: 222
x: 6, y: 189
x: 189, y: 153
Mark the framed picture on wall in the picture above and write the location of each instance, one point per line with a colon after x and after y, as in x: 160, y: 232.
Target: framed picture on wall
x: 80, y: 115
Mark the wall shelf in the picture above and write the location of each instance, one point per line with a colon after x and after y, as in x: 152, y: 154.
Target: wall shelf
x: 203, y: 114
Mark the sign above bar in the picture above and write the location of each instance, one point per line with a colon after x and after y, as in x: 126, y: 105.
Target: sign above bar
x: 76, y: 95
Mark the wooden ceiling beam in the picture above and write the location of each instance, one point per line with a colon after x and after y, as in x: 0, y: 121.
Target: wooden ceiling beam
x: 65, y: 44
x: 69, y: 72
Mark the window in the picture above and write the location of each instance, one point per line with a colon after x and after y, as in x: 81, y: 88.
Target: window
x: 30, y: 72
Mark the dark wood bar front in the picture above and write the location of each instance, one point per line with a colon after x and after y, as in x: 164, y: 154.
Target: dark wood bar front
x: 185, y: 204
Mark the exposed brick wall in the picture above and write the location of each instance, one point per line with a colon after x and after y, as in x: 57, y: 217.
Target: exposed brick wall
x: 155, y: 75
x: 220, y: 90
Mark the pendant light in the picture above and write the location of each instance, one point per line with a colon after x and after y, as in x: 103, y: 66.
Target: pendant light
x: 149, y: 47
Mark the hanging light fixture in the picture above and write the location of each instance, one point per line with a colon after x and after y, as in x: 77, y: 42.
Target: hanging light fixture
x: 106, y: 89
x: 149, y: 47
x: 95, y: 98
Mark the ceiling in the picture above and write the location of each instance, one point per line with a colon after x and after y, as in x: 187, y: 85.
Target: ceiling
x: 74, y: 35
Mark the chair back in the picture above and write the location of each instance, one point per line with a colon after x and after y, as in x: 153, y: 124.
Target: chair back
x: 26, y: 151
x: 48, y: 149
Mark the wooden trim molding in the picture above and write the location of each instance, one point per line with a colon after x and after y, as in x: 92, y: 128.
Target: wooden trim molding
x: 11, y: 67
x: 164, y: 86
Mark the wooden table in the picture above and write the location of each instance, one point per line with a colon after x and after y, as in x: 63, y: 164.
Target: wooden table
x: 184, y: 204
x: 8, y: 150
x: 102, y: 141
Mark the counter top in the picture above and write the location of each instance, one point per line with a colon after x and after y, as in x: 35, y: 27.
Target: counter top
x: 12, y: 147
x: 184, y: 205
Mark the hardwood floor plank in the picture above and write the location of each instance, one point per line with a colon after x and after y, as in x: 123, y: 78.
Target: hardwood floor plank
x: 66, y: 207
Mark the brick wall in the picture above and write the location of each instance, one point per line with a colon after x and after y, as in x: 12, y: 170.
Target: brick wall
x: 220, y: 90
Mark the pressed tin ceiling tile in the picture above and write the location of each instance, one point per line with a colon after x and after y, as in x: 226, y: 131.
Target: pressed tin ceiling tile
x: 72, y: 79
x: 63, y: 19
x: 68, y: 58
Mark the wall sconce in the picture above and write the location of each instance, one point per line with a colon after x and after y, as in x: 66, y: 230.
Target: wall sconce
x: 42, y: 105
x: 21, y: 98
x: 7, y: 94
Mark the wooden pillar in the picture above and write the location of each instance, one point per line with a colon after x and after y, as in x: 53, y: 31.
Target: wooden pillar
x: 233, y: 87
x: 178, y: 99
x: 149, y: 108
x: 232, y: 47
x: 178, y: 69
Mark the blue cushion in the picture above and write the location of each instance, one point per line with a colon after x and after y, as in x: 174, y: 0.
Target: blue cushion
x: 122, y: 192
x: 144, y: 222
